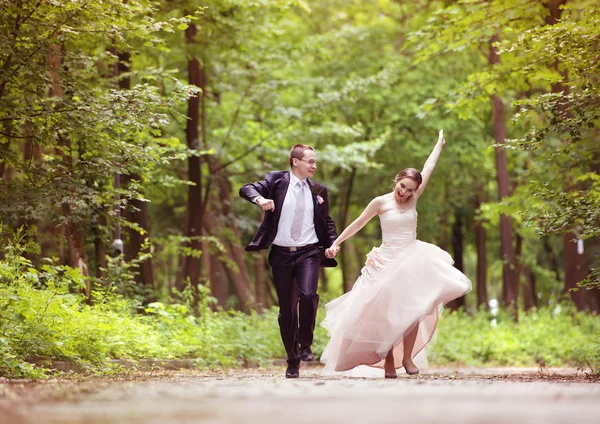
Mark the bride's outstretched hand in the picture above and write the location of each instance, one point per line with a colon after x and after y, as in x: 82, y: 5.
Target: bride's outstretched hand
x: 441, y: 137
x: 331, y: 252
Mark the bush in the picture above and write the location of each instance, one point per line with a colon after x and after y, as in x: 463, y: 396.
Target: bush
x: 558, y: 336
x: 43, y: 317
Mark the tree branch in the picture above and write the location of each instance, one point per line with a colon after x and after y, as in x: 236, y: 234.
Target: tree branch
x: 235, y: 117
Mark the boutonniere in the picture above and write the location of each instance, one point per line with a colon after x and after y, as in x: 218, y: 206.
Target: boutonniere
x: 316, y: 192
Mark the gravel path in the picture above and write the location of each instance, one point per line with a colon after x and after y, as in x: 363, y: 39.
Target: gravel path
x: 442, y: 395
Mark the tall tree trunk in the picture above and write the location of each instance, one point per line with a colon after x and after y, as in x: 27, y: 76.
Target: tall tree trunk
x: 260, y: 283
x: 31, y: 151
x: 529, y: 290
x: 139, y: 214
x: 573, y: 262
x: 443, y: 238
x: 480, y: 243
x: 239, y: 278
x: 348, y: 266
x: 5, y: 147
x: 135, y: 240
x: 510, y: 286
x: 219, y: 284
x: 457, y: 250
x: 574, y: 270
x: 351, y: 268
x: 324, y: 281
x: 99, y: 250
x: 551, y: 258
x: 74, y: 233
x: 190, y: 265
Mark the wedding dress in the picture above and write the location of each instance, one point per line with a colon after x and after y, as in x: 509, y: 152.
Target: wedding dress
x: 404, y: 282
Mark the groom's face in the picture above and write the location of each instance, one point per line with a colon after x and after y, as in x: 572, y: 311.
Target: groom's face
x: 306, y: 167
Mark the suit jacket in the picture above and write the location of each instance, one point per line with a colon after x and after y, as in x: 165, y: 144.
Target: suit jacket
x: 274, y: 187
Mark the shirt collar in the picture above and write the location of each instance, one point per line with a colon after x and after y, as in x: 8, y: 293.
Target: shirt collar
x: 295, y: 180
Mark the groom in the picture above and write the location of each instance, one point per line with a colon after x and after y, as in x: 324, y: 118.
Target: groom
x: 298, y: 228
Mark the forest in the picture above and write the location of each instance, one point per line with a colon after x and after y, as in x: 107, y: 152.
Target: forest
x: 127, y: 128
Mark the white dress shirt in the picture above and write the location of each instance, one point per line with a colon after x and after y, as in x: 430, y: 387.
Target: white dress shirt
x: 284, y: 229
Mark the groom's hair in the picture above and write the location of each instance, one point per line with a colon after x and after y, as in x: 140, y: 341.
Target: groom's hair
x: 298, y: 152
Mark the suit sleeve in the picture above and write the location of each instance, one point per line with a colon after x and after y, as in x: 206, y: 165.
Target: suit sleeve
x: 251, y: 191
x: 331, y: 231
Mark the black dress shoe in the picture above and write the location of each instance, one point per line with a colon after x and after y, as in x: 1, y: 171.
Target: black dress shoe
x: 293, y: 371
x: 306, y: 354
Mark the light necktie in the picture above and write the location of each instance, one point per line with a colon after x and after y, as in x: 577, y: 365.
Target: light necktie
x: 298, y: 213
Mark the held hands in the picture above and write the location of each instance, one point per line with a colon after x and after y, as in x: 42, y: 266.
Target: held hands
x: 441, y: 138
x: 266, y: 204
x: 332, y: 251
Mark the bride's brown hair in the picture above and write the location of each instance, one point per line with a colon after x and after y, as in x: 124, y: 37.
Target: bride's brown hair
x: 410, y: 173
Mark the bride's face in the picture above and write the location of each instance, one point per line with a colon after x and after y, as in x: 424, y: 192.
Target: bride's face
x: 404, y: 189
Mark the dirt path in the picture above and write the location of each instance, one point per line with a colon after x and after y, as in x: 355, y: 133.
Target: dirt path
x: 448, y: 395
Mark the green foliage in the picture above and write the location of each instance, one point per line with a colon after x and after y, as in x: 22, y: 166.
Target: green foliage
x: 43, y: 318
x: 549, y: 336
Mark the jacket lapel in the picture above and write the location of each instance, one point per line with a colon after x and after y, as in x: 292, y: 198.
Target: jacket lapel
x: 282, y: 189
x: 311, y: 186
x: 279, y: 195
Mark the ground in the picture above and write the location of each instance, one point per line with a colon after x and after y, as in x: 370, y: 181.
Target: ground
x: 437, y: 395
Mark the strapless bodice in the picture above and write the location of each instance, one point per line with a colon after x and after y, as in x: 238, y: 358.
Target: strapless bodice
x: 398, y: 227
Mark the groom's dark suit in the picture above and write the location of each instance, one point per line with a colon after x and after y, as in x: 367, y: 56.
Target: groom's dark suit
x: 295, y: 271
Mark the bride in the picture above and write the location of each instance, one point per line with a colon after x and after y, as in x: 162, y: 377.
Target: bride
x: 392, y: 311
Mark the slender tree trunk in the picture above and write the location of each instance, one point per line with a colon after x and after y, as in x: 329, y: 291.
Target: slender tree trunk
x: 510, y: 286
x: 139, y: 214
x: 181, y: 263
x: 99, y: 250
x: 260, y: 284
x: 241, y: 281
x: 348, y: 266
x: 529, y: 290
x: 238, y: 277
x: 457, y: 250
x: 193, y: 228
x: 5, y: 147
x: 554, y: 7
x: 324, y: 281
x: 135, y: 240
x: 74, y: 234
x: 351, y: 267
x: 574, y: 270
x: 594, y: 300
x: 573, y: 262
x: 551, y: 258
x: 219, y: 284
x: 271, y: 294
x: 480, y: 243
x: 443, y: 239
x: 28, y: 222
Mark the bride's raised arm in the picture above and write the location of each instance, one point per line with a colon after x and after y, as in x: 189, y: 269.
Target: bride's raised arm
x: 431, y: 162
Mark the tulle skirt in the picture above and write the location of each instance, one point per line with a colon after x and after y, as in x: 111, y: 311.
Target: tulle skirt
x: 400, y: 286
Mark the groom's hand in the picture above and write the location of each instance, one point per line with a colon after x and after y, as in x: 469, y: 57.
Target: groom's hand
x: 265, y: 204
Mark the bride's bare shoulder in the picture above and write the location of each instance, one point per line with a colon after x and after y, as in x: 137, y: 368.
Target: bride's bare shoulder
x: 384, y: 203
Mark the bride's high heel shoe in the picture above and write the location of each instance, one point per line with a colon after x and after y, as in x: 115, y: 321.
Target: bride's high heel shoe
x: 413, y: 370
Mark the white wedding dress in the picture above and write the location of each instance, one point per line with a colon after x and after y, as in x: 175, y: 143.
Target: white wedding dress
x: 404, y: 282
